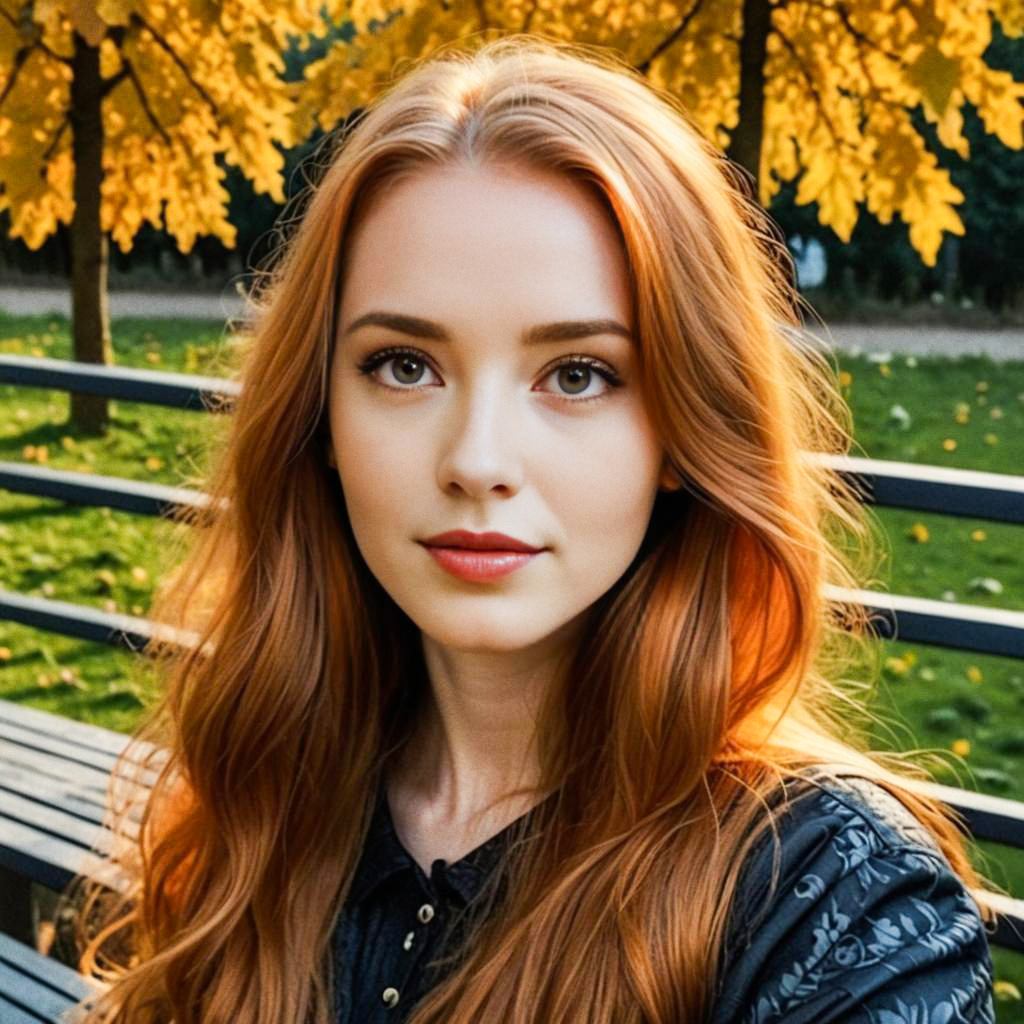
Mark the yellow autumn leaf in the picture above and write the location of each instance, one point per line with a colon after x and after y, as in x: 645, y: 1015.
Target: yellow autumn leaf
x: 115, y: 12
x: 936, y: 76
x: 918, y: 532
x: 1010, y: 15
x: 86, y: 21
x: 997, y: 97
x: 842, y: 88
x: 1006, y: 991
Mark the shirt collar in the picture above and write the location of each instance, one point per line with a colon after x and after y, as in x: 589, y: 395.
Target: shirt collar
x: 384, y: 856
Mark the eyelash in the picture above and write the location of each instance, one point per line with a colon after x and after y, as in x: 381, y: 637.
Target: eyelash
x: 381, y: 356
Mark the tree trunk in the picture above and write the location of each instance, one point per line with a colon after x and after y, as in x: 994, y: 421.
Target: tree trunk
x: 90, y: 317
x: 949, y: 255
x: 745, y: 144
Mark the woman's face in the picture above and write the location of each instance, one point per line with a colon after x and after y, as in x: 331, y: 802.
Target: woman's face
x: 497, y: 282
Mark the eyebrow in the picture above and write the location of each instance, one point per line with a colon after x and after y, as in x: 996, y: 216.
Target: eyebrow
x: 561, y: 330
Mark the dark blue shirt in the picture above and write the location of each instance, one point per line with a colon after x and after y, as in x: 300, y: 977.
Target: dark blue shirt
x: 867, y: 923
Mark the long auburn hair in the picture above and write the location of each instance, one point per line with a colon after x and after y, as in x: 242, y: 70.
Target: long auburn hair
x: 717, y: 668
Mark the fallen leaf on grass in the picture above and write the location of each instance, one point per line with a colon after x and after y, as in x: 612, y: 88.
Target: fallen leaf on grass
x: 1006, y: 991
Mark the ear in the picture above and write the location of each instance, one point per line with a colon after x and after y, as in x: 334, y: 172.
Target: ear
x: 669, y: 479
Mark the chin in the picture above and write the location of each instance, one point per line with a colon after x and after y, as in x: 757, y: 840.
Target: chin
x: 489, y: 637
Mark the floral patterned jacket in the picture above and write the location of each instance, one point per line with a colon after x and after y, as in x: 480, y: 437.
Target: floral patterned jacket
x: 867, y: 923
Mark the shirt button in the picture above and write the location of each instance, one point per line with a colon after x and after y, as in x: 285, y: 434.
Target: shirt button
x: 425, y: 913
x: 390, y: 996
x: 407, y: 944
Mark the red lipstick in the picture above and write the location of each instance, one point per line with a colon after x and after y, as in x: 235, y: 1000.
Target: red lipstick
x: 479, y: 556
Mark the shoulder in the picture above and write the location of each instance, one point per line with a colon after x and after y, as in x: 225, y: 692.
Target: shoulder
x: 854, y: 916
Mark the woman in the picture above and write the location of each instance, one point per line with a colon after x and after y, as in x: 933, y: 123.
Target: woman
x: 601, y: 768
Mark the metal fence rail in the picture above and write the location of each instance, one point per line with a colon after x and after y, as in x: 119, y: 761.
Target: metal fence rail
x: 990, y: 496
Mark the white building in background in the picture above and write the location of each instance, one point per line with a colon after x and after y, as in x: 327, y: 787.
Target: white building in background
x: 811, y: 262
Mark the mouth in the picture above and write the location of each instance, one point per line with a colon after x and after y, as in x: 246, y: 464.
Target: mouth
x: 479, y: 564
x: 490, y: 542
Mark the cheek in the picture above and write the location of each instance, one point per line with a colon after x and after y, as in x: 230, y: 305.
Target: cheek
x: 606, y: 480
x: 378, y: 471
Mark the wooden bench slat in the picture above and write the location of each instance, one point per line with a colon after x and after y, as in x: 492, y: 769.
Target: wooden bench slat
x: 53, y: 973
x: 56, y: 823
x: 48, y: 860
x: 11, y: 1014
x: 61, y: 794
x: 95, y: 736
x: 26, y: 993
x: 73, y: 753
x: 51, y: 743
x: 86, y: 780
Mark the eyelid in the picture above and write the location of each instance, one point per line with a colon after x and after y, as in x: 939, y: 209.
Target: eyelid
x: 605, y: 370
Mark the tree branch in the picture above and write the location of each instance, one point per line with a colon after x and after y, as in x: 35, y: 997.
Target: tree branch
x: 645, y: 64
x: 529, y: 17
x: 36, y: 44
x: 19, y: 60
x: 811, y: 84
x: 843, y: 14
x: 169, y: 50
x: 110, y: 84
x: 144, y: 102
x: 52, y: 147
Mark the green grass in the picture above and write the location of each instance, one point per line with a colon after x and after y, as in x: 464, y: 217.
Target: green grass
x: 927, y: 698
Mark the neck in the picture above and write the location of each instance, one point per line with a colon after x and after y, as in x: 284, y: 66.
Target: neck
x: 476, y: 741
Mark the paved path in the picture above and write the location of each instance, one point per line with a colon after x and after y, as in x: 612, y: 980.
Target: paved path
x: 1000, y: 344
x: 190, y: 305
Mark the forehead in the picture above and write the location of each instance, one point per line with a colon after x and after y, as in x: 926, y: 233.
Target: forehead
x: 497, y: 236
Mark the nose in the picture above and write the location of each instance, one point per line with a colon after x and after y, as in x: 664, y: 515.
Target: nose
x: 481, y: 451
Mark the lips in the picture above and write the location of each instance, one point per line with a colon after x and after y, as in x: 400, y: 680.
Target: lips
x: 489, y: 541
x: 479, y: 566
x: 479, y: 557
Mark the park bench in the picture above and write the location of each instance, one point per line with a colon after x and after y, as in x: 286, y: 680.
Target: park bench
x: 53, y: 781
x: 36, y: 988
x: 53, y: 772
